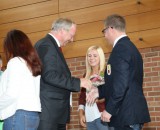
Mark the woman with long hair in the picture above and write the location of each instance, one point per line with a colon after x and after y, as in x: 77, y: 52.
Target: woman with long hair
x: 19, y: 87
x: 89, y: 116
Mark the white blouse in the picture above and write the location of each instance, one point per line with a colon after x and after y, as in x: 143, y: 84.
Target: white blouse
x: 19, y: 89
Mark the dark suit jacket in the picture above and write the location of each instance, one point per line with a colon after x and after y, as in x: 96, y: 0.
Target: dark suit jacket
x: 123, y: 92
x: 56, y: 82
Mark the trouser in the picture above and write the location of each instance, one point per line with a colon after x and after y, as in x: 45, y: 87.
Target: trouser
x: 130, y: 127
x: 22, y: 120
x: 97, y: 124
x: 44, y: 125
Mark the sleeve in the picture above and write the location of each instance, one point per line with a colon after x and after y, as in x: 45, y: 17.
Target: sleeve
x: 101, y: 91
x: 53, y: 73
x: 11, y: 84
x: 82, y: 98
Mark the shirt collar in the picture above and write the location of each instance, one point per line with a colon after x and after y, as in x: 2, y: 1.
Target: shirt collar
x: 58, y: 43
x: 115, y: 42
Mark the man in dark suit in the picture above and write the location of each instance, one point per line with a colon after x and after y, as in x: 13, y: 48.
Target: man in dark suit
x: 126, y: 107
x: 56, y: 80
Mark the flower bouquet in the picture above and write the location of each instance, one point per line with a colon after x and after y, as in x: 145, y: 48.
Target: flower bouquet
x: 97, y: 80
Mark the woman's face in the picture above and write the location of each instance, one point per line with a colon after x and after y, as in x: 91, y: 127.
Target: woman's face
x: 93, y: 58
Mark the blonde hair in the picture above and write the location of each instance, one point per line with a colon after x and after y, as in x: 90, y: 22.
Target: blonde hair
x: 102, y: 61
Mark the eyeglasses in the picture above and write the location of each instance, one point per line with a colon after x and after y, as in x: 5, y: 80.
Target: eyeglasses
x: 104, y: 30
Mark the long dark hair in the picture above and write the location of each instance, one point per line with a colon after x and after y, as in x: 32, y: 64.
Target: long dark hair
x: 17, y: 44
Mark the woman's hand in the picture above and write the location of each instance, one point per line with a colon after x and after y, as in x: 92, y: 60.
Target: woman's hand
x: 82, y: 118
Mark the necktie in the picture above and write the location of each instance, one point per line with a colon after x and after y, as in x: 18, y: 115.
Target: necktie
x: 60, y: 49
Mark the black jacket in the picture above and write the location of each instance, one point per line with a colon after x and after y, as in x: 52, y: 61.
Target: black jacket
x: 123, y: 91
x: 56, y: 82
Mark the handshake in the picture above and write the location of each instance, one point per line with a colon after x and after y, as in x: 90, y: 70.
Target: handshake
x: 92, y: 93
x: 91, y: 89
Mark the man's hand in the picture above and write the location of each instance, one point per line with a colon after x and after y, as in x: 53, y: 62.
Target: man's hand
x: 92, y: 96
x: 86, y: 83
x: 105, y: 116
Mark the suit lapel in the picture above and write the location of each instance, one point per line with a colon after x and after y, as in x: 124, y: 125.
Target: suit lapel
x: 58, y: 51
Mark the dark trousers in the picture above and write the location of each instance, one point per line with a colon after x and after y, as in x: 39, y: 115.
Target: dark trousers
x: 131, y: 127
x: 44, y: 125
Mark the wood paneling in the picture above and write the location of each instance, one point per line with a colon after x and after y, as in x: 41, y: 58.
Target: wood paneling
x: 79, y: 48
x: 138, y: 22
x: 1, y: 45
x: 150, y: 38
x: 143, y: 21
x: 125, y: 7
x: 29, y: 11
x: 6, y: 4
x: 135, y: 23
x: 65, y: 5
x: 29, y: 26
x: 33, y: 36
x: 3, y: 59
x: 35, y: 19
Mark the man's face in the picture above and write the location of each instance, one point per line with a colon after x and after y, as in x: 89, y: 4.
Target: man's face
x: 108, y: 34
x: 68, y: 36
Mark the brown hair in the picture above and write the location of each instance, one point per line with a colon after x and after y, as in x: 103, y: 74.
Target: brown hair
x: 17, y: 44
x: 116, y: 21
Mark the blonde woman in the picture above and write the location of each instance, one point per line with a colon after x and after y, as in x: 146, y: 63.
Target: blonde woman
x: 90, y: 115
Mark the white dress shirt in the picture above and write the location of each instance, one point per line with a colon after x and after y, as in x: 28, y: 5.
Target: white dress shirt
x: 19, y: 89
x: 124, y: 35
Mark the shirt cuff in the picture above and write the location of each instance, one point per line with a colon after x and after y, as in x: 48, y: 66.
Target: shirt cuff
x: 81, y: 107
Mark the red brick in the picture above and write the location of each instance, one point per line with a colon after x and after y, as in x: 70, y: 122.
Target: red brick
x: 151, y: 74
x: 151, y: 86
x: 150, y: 64
x: 151, y: 54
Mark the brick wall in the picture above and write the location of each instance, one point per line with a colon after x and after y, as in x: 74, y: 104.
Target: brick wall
x: 151, y: 87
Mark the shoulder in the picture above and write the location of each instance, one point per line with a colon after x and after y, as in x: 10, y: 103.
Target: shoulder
x: 16, y: 62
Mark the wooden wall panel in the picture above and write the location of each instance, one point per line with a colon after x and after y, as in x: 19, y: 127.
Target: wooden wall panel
x: 124, y: 8
x: 79, y: 48
x: 135, y: 23
x: 37, y: 36
x: 29, y: 11
x: 139, y: 17
x: 30, y: 25
x: 89, y: 30
x: 3, y: 59
x: 150, y: 38
x: 65, y: 5
x: 33, y: 36
x: 143, y: 21
x: 140, y: 22
x: 6, y: 4
x: 1, y: 45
